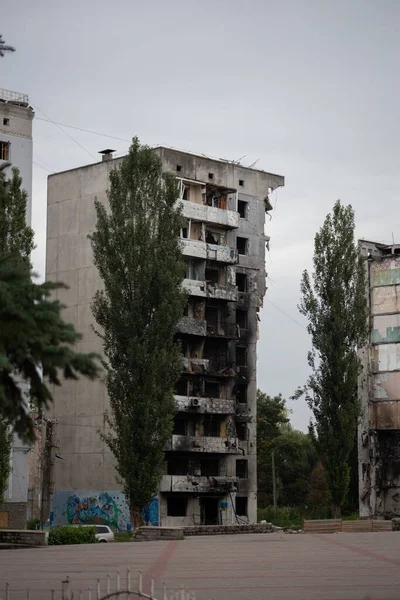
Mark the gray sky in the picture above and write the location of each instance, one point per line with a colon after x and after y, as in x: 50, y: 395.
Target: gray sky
x: 309, y: 87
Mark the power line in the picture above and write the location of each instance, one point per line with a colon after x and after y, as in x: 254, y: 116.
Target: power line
x: 67, y: 134
x: 42, y: 167
x: 112, y: 137
x: 285, y: 313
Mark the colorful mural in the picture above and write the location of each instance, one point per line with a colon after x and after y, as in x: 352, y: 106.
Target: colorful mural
x: 87, y: 507
x: 98, y: 508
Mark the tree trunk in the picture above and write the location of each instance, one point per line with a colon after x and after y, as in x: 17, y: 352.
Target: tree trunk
x: 336, y: 511
x: 136, y: 517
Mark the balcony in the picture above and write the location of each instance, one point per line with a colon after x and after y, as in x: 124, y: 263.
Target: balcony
x: 223, y: 330
x: 218, y: 367
x: 194, y: 287
x: 192, y: 326
x: 215, y: 406
x: 210, y: 214
x: 202, y: 289
x: 191, y: 483
x: 222, y: 292
x: 212, y: 445
x: 195, y: 365
x: 202, y: 250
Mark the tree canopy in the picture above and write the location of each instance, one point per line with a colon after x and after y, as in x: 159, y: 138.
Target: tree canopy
x: 334, y: 302
x: 137, y: 251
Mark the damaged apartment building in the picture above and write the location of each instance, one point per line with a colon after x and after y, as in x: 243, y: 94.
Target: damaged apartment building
x: 210, y: 462
x: 379, y: 386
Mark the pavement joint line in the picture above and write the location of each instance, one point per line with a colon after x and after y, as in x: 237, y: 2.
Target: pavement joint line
x: 361, y: 551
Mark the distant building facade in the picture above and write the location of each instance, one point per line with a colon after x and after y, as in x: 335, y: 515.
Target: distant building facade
x: 379, y: 386
x: 210, y: 467
x: 16, y: 145
x: 16, y: 151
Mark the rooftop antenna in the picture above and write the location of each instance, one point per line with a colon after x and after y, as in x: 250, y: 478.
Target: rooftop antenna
x: 254, y: 163
x: 237, y: 162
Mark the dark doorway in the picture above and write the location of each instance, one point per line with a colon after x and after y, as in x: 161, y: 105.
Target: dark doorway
x: 209, y: 511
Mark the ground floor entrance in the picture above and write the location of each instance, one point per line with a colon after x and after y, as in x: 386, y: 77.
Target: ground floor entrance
x: 209, y: 511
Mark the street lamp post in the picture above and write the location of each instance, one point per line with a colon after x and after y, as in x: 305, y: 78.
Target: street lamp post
x: 275, y: 500
x: 274, y: 481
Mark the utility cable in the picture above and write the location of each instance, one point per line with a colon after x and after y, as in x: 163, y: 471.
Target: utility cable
x: 42, y: 167
x: 285, y: 313
x: 67, y: 134
x: 112, y: 137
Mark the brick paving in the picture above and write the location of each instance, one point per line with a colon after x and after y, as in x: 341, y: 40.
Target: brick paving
x: 237, y: 567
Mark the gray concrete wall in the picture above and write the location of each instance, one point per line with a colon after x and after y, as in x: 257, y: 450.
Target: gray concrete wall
x: 78, y: 405
x: 17, y: 490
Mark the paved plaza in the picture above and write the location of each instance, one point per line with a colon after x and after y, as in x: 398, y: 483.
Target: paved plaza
x: 235, y: 567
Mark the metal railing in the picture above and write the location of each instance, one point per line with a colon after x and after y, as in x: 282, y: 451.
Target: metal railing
x: 122, y: 589
x: 10, y: 96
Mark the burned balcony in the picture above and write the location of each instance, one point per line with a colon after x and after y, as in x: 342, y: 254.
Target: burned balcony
x: 208, y: 203
x: 217, y: 291
x: 210, y: 214
x: 195, y: 365
x: 201, y: 249
x: 191, y: 483
x: 192, y: 326
x: 213, y: 445
x: 221, y: 406
x: 222, y: 329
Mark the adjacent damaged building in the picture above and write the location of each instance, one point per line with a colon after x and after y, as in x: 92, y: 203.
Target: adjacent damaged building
x: 379, y: 386
x: 210, y: 461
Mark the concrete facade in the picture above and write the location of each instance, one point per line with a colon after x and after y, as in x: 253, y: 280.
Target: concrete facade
x: 16, y: 118
x: 210, y: 473
x: 379, y: 386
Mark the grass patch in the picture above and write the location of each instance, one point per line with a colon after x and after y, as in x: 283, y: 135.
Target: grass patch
x: 351, y: 517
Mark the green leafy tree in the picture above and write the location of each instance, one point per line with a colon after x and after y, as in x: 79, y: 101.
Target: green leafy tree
x: 16, y: 239
x: 137, y: 251
x: 4, y: 48
x: 34, y: 340
x: 334, y: 302
x: 271, y: 415
x: 318, y: 500
x: 295, y: 458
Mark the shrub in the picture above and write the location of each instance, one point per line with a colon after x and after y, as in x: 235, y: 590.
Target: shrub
x: 286, y: 516
x: 33, y: 524
x: 71, y: 534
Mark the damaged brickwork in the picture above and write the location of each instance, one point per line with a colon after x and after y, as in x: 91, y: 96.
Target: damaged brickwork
x: 379, y: 386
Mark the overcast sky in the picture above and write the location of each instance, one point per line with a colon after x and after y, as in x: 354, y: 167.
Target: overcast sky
x: 309, y: 88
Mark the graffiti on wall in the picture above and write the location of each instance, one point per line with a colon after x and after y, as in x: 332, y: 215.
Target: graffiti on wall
x: 98, y: 508
x: 91, y: 507
x: 151, y: 513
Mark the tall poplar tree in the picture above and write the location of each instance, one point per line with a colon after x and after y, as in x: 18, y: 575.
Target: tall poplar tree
x: 334, y: 302
x: 137, y: 251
